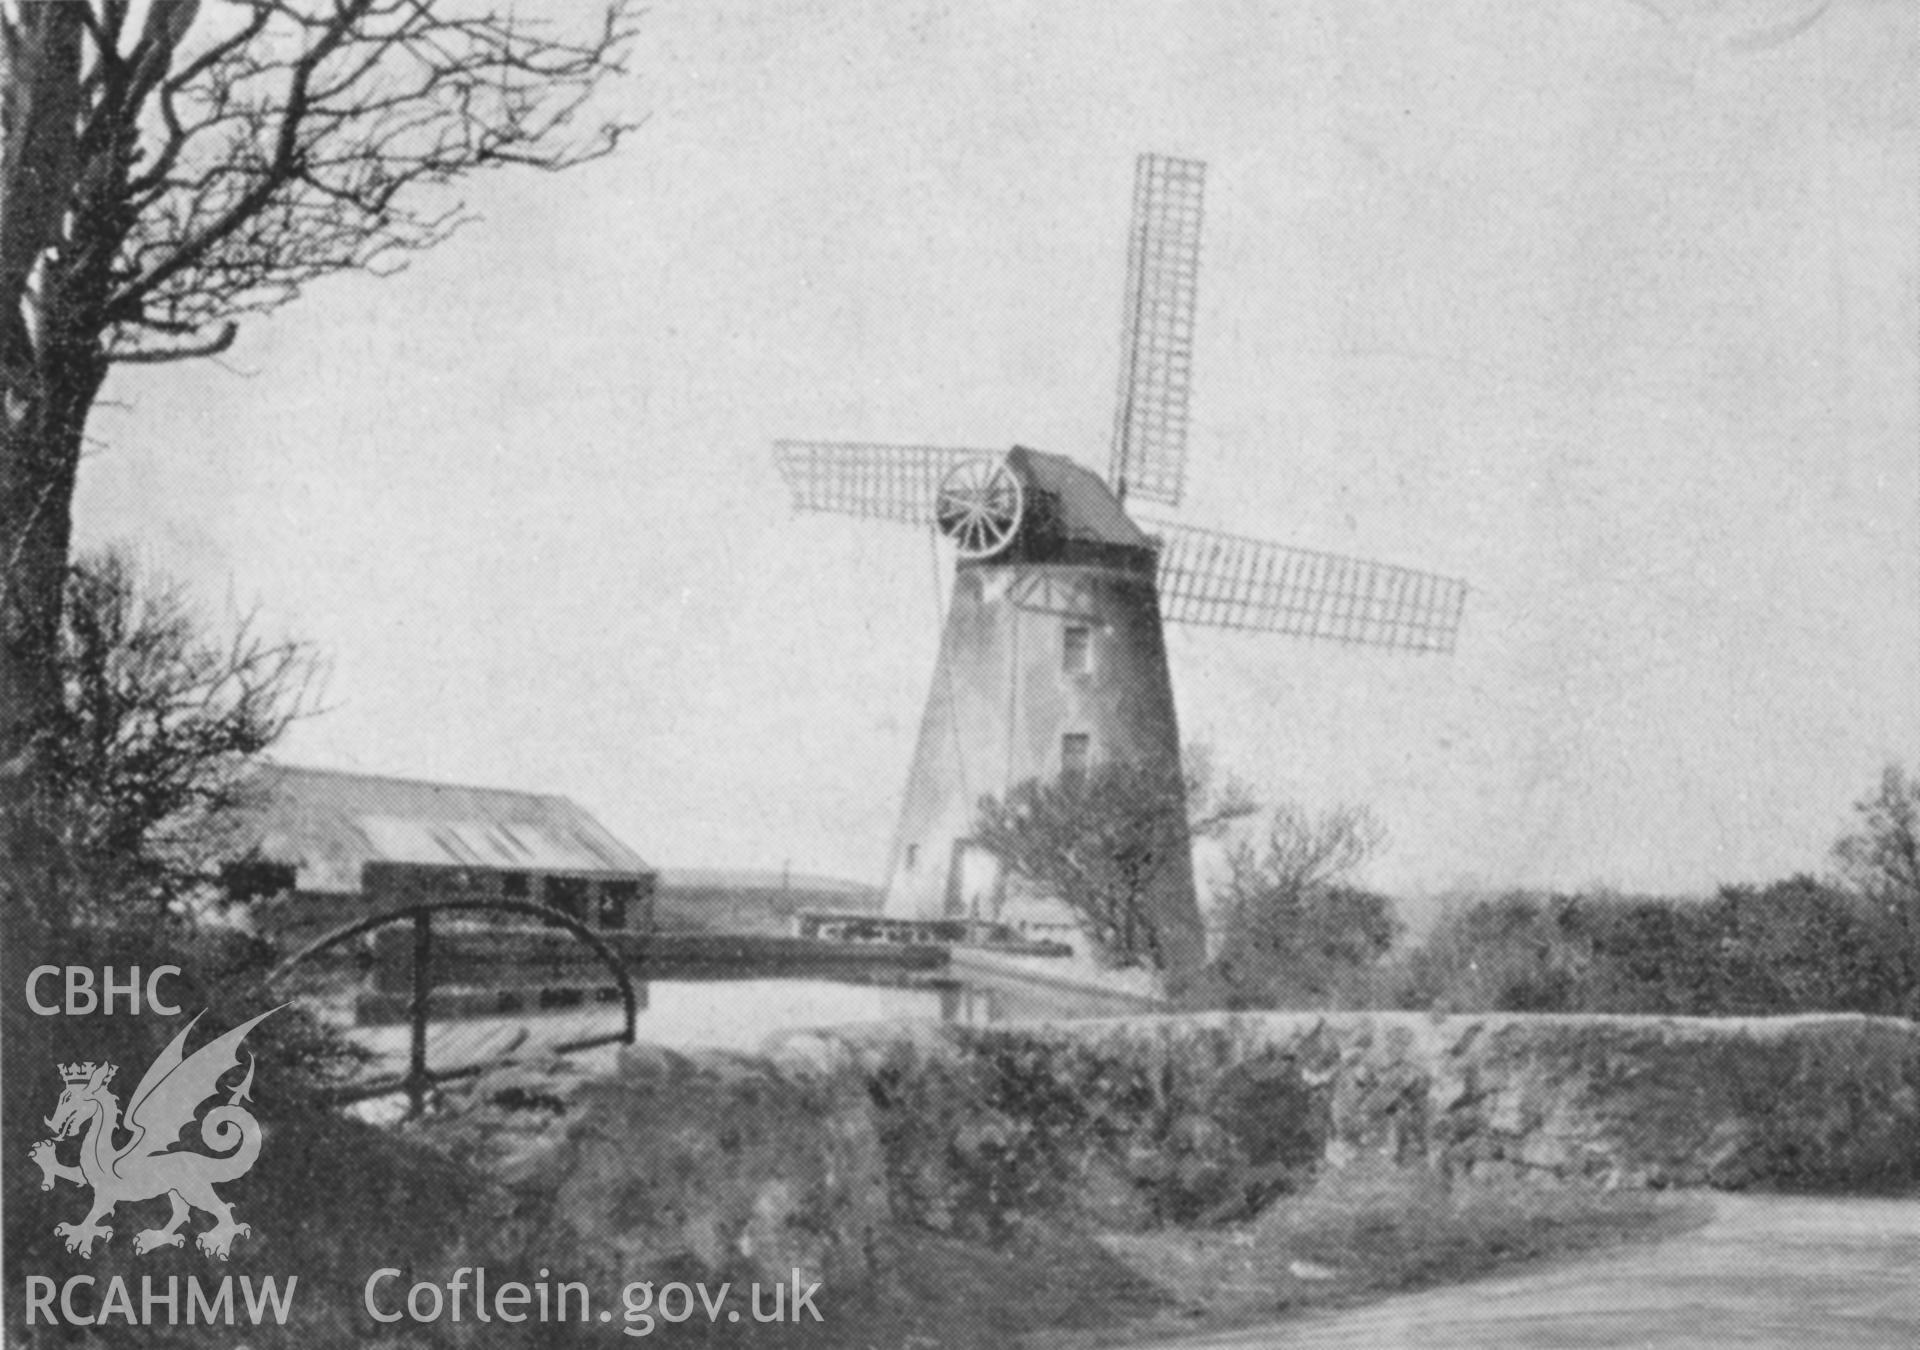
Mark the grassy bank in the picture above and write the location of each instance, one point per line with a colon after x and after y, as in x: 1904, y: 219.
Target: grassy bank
x: 1355, y: 1234
x: 1365, y: 1231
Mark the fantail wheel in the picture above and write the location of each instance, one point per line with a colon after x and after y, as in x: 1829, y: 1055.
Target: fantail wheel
x: 979, y: 506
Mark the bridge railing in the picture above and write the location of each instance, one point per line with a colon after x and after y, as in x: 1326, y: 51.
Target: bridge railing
x: 504, y: 994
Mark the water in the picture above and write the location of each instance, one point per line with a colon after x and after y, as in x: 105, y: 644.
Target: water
x: 742, y: 1014
x: 725, y: 1014
x: 685, y: 1014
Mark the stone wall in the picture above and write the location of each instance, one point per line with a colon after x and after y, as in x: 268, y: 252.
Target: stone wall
x: 1818, y: 1101
x: 676, y: 1166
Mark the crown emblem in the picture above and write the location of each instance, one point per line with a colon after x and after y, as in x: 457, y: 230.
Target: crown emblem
x: 175, y: 1090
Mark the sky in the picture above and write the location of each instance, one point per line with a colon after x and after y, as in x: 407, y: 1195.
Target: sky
x: 1610, y: 307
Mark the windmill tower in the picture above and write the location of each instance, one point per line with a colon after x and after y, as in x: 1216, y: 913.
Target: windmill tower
x: 1053, y: 656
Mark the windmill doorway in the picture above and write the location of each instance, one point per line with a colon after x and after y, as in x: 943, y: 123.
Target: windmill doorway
x: 976, y: 882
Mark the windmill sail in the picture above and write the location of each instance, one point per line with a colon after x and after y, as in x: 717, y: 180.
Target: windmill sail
x: 1156, y: 345
x: 1053, y: 654
x: 1228, y: 581
x: 880, y: 482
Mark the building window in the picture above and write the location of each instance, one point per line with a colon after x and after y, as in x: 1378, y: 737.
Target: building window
x: 513, y: 886
x: 1076, y: 650
x: 616, y: 898
x: 913, y: 855
x: 569, y: 896
x: 254, y: 879
x: 1075, y: 749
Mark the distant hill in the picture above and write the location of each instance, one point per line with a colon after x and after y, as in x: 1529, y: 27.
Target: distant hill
x: 731, y: 900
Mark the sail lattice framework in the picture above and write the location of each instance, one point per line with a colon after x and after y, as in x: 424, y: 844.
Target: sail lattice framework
x: 859, y: 478
x: 1219, y: 580
x: 1149, y: 454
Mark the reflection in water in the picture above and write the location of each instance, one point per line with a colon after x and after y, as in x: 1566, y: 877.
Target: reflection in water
x: 728, y: 1014
x: 735, y: 1015
x: 742, y: 1014
x: 682, y: 1014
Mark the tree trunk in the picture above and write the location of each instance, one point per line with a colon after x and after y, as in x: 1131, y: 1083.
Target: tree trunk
x: 40, y: 439
x: 51, y: 367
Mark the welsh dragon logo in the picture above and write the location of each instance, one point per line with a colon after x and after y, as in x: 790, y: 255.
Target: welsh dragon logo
x: 146, y: 1167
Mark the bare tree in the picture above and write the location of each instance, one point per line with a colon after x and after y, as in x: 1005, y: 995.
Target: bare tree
x: 1303, y: 852
x: 1103, y: 841
x: 1289, y: 923
x: 1881, y: 858
x: 170, y: 167
x: 161, y: 718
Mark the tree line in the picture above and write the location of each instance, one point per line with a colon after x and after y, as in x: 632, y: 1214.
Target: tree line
x: 1848, y: 941
x: 163, y: 712
x: 1291, y: 925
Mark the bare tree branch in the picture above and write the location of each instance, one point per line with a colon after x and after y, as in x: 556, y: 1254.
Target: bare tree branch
x: 1881, y: 857
x: 161, y: 720
x: 225, y: 156
x: 169, y: 167
x: 186, y: 351
x: 1289, y: 923
x: 1106, y: 842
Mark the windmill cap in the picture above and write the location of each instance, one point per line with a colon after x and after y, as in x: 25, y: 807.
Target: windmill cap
x: 1084, y: 506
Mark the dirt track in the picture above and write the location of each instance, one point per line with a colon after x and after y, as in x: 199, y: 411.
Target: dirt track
x: 1769, y: 1271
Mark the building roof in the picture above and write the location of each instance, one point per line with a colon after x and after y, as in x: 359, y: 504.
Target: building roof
x: 1086, y: 505
x: 327, y: 823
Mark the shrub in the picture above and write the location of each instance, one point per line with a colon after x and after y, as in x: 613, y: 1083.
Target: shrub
x: 1011, y: 1126
x: 1793, y: 946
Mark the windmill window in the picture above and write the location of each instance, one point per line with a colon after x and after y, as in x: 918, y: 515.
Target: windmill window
x: 913, y: 855
x: 1076, y: 650
x: 1075, y: 749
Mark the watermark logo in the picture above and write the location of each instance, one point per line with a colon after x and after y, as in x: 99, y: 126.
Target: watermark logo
x: 170, y: 1094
